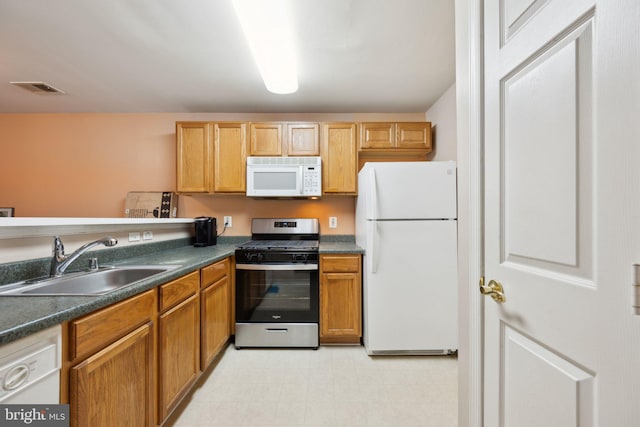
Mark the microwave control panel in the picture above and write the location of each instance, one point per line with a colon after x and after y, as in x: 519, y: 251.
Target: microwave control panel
x: 312, y: 181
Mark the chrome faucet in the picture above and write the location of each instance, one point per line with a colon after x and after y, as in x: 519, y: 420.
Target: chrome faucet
x: 60, y: 261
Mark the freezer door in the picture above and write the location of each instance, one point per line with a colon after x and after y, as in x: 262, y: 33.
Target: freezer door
x: 410, y: 287
x: 407, y: 190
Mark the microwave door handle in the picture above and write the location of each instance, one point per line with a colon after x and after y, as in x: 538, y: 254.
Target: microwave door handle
x: 301, y: 180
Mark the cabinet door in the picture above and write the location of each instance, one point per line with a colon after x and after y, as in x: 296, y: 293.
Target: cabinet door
x: 339, y: 158
x: 266, y: 139
x: 178, y: 353
x: 215, y: 320
x: 115, y: 386
x: 340, y: 307
x: 377, y: 135
x: 302, y: 139
x: 230, y: 155
x: 413, y: 135
x: 340, y: 298
x: 194, y: 157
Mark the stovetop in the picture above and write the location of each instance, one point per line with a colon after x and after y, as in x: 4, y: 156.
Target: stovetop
x: 281, y: 245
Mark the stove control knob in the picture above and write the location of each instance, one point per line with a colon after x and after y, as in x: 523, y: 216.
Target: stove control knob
x: 259, y: 257
x: 251, y: 256
x: 299, y: 257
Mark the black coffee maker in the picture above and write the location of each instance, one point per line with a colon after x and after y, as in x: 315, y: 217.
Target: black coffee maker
x: 206, y: 231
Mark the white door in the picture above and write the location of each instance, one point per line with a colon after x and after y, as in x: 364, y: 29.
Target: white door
x: 562, y: 190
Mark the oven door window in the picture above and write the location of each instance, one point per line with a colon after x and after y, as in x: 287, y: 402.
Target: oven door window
x: 276, y: 296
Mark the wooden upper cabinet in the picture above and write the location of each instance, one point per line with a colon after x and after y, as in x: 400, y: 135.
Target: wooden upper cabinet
x: 302, y: 139
x: 377, y: 135
x: 406, y: 135
x: 413, y: 135
x: 211, y: 157
x: 284, y: 139
x: 194, y: 157
x: 265, y: 139
x: 339, y: 158
x: 230, y: 157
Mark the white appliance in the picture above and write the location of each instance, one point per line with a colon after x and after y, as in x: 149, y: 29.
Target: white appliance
x: 406, y: 222
x: 30, y: 369
x: 284, y: 176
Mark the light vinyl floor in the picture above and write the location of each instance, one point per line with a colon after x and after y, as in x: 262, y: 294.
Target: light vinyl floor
x: 338, y: 386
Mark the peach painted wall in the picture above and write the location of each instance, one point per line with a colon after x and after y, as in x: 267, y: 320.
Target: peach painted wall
x: 83, y: 165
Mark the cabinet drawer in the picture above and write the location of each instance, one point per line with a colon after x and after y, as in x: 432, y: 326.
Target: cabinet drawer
x: 214, y: 272
x: 96, y: 330
x: 179, y: 290
x: 340, y: 263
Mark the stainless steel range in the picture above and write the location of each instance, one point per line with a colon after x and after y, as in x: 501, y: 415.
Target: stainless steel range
x: 277, y: 292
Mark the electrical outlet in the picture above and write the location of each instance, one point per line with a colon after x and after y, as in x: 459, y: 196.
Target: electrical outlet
x: 147, y: 235
x: 134, y: 236
x: 333, y: 222
x: 228, y: 221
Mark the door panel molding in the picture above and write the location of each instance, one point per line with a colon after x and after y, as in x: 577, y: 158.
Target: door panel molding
x: 546, y: 138
x: 515, y: 14
x: 527, y: 370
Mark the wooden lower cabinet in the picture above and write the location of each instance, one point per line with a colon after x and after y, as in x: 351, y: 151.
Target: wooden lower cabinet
x: 131, y: 363
x: 178, y: 340
x: 215, y: 312
x: 340, y: 299
x: 115, y: 384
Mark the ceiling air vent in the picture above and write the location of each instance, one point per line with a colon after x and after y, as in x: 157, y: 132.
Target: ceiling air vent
x: 40, y: 88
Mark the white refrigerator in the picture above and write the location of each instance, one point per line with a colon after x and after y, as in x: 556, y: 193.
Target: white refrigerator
x: 406, y: 222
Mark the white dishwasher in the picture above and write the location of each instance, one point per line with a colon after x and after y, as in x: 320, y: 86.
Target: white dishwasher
x: 30, y: 369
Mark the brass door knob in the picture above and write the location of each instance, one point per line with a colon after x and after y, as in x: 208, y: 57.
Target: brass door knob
x: 494, y: 289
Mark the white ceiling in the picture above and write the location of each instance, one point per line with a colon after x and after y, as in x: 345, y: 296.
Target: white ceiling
x: 364, y: 56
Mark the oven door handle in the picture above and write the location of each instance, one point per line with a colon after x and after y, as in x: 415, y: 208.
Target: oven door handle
x: 276, y: 267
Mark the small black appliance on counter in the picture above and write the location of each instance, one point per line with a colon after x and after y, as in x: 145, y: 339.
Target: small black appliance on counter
x: 206, y: 231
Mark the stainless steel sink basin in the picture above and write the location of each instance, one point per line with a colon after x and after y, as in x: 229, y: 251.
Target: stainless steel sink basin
x: 86, y: 283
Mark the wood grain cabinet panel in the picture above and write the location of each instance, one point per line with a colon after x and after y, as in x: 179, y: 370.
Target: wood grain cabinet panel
x: 215, y: 321
x: 94, y: 331
x: 230, y: 157
x: 339, y: 158
x: 265, y: 139
x: 394, y: 142
x: 211, y: 157
x: 377, y: 135
x: 178, y: 290
x: 302, y: 139
x: 114, y: 387
x: 194, y: 168
x: 214, y: 272
x: 413, y: 135
x: 340, y: 299
x: 178, y: 353
x: 215, y: 310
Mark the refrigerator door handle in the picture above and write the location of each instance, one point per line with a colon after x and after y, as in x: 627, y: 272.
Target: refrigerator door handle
x: 373, y: 256
x: 373, y: 189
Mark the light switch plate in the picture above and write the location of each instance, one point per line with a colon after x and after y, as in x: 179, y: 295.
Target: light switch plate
x: 134, y: 236
x: 147, y: 235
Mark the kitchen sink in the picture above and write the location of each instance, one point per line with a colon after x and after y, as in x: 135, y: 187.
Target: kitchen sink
x: 97, y: 282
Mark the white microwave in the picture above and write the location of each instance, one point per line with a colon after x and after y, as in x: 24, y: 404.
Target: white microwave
x: 284, y: 176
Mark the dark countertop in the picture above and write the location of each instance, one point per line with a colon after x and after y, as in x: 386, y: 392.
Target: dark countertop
x: 23, y: 315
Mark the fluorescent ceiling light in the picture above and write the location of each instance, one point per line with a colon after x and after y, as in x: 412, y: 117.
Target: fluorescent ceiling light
x: 267, y: 27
